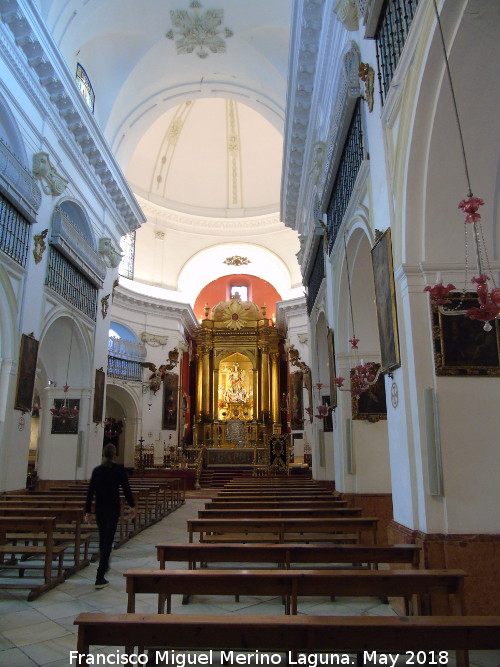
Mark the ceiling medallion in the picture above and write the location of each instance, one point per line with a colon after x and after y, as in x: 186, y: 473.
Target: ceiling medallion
x: 236, y: 260
x: 235, y: 316
x: 199, y: 32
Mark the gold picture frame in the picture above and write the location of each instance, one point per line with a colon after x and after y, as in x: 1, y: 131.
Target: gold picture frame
x: 385, y: 299
x: 169, y: 412
x: 371, y: 405
x: 28, y: 356
x: 461, y: 346
x: 332, y: 369
x: 99, y: 391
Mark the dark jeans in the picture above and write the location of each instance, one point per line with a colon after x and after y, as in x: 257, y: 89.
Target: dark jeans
x: 107, y: 524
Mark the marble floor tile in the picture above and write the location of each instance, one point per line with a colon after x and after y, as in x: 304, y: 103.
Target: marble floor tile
x: 38, y: 632
x: 47, y: 652
x: 14, y: 657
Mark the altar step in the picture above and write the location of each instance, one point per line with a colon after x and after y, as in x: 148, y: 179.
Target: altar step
x: 216, y: 479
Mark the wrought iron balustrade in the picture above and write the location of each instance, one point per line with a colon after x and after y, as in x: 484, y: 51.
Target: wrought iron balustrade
x: 14, y: 233
x: 394, y: 26
x: 124, y: 369
x: 315, y: 278
x: 68, y: 282
x: 349, y: 165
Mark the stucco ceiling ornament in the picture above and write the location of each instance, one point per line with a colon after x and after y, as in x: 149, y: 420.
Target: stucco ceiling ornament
x: 154, y: 340
x: 199, y: 32
x: 347, y: 13
x: 236, y: 260
x: 50, y: 179
x: 110, y: 255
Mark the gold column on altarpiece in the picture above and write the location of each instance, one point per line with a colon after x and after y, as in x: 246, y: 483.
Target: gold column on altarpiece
x: 264, y: 380
x: 256, y: 393
x: 206, y: 379
x: 275, y: 406
x: 199, y: 381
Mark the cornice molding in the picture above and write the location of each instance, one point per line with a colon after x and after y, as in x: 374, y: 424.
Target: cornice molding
x: 148, y: 304
x: 183, y: 221
x: 287, y: 309
x: 305, y: 36
x: 53, y: 77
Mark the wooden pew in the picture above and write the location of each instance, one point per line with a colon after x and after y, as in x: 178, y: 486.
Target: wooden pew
x: 285, y: 555
x: 45, y: 553
x: 69, y: 529
x: 273, y: 504
x: 282, y: 492
x: 270, y: 496
x: 297, y: 513
x: 282, y: 530
x: 289, y: 634
x: 292, y: 584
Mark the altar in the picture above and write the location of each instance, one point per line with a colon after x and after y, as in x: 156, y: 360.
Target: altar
x: 229, y: 456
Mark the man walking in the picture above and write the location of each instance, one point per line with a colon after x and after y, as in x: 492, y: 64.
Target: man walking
x: 105, y: 484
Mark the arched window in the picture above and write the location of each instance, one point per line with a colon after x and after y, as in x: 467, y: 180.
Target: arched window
x: 85, y: 87
x: 127, y: 244
x: 125, y: 353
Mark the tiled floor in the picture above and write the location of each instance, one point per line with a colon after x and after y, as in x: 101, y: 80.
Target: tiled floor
x: 42, y: 632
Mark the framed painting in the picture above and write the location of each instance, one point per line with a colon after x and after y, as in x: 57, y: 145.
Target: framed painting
x: 99, y: 389
x: 328, y: 420
x: 26, y: 373
x: 65, y: 425
x: 331, y: 368
x: 371, y: 404
x: 385, y: 299
x: 170, y: 391
x: 461, y: 346
x: 296, y: 402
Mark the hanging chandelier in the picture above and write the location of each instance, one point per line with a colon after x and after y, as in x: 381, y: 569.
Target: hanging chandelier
x: 61, y: 409
x: 112, y: 427
x: 363, y: 375
x: 488, y: 298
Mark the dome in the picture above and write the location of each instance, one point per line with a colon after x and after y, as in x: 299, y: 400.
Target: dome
x: 202, y: 157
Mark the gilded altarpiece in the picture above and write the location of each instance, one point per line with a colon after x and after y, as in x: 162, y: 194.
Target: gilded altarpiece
x: 237, y: 395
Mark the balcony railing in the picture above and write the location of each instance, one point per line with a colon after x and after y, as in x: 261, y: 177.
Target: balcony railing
x: 14, y: 233
x: 68, y: 282
x: 124, y: 369
x: 393, y: 28
x: 349, y: 165
x: 315, y: 278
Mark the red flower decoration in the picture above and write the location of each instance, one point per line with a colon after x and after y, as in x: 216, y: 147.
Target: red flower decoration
x: 470, y: 206
x: 354, y: 343
x: 489, y: 301
x: 438, y: 294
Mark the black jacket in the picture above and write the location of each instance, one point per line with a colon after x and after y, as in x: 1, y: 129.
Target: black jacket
x: 105, y: 484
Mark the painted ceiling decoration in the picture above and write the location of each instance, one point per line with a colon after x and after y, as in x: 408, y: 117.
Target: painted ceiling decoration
x: 234, y: 156
x: 169, y: 143
x: 199, y: 32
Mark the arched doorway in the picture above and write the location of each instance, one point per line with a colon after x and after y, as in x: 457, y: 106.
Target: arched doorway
x: 64, y: 376
x: 122, y: 406
x: 363, y: 451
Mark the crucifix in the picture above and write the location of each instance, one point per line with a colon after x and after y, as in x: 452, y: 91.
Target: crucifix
x: 141, y: 462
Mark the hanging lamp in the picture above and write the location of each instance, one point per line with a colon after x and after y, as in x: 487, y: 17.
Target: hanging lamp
x: 488, y: 298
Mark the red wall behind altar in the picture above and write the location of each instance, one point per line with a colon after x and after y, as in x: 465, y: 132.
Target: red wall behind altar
x: 259, y: 291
